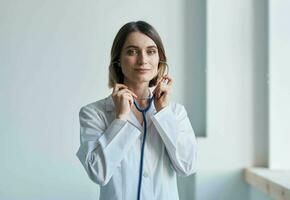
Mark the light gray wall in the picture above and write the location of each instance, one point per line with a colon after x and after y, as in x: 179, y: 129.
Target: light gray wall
x: 54, y: 57
x: 279, y: 87
x: 48, y: 57
x: 236, y: 99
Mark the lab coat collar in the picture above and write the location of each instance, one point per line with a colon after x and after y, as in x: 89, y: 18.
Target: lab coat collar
x: 109, y: 103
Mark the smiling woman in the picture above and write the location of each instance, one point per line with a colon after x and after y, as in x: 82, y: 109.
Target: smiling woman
x: 138, y: 113
x: 139, y: 59
x: 127, y: 34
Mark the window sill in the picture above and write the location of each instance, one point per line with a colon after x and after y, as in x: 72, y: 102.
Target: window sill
x: 275, y: 183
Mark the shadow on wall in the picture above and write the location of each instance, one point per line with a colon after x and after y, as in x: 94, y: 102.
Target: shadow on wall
x: 195, y: 63
x: 195, y: 74
x: 260, y: 88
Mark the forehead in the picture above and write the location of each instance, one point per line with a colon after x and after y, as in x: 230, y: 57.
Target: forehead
x: 138, y: 39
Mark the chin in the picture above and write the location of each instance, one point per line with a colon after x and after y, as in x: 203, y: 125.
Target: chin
x: 145, y: 78
x: 140, y: 81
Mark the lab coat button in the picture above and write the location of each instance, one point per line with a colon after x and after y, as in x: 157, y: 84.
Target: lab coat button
x: 145, y: 174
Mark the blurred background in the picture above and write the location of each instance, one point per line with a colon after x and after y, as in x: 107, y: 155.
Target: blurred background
x: 229, y: 59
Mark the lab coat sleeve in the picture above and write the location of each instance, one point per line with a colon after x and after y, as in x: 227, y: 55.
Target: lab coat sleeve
x: 175, y: 129
x: 103, y: 148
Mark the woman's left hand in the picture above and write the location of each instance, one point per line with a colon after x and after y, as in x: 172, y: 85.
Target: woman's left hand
x: 162, y: 92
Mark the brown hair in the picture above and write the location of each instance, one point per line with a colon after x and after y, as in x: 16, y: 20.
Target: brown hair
x: 115, y: 73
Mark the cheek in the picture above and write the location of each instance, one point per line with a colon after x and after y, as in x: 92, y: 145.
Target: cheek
x: 155, y: 61
x: 126, y: 64
x: 155, y: 64
x: 128, y: 60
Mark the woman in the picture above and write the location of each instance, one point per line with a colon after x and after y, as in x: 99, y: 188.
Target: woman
x: 130, y: 154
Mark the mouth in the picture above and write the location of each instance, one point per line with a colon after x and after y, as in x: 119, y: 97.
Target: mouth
x: 142, y: 70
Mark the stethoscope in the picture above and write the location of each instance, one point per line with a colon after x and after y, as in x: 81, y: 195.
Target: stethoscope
x: 143, y: 111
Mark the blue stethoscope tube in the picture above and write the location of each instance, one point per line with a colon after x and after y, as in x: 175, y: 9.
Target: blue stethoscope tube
x: 143, y: 111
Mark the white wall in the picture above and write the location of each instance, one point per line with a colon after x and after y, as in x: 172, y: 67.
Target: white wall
x: 54, y: 57
x: 279, y: 87
x: 48, y: 58
x: 236, y: 99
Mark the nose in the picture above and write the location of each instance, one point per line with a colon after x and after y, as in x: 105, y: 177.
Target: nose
x: 142, y: 58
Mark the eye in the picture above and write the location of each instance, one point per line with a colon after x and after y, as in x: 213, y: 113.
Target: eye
x: 132, y: 52
x: 151, y: 51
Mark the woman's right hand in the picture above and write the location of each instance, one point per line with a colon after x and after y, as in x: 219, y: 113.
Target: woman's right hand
x: 123, y: 100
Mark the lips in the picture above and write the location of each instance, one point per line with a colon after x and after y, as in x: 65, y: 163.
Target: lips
x: 142, y: 70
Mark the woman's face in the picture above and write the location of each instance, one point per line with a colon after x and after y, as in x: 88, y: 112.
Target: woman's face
x: 139, y: 58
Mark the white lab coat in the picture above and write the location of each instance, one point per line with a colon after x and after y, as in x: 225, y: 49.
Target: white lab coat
x: 110, y: 151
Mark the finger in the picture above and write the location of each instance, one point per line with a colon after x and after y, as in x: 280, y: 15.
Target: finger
x: 159, y: 81
x: 162, y: 80
x: 123, y: 91
x: 158, y: 93
x: 155, y: 90
x: 164, y: 90
x: 167, y: 76
x: 169, y: 80
x: 122, y: 87
x: 132, y: 93
x: 118, y: 87
x: 158, y: 85
x: 129, y: 98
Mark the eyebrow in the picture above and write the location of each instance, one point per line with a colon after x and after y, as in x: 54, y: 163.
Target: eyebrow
x: 133, y: 46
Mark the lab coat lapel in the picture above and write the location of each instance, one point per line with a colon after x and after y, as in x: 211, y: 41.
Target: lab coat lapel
x: 133, y: 120
x: 109, y: 104
x: 152, y: 111
x: 110, y: 107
